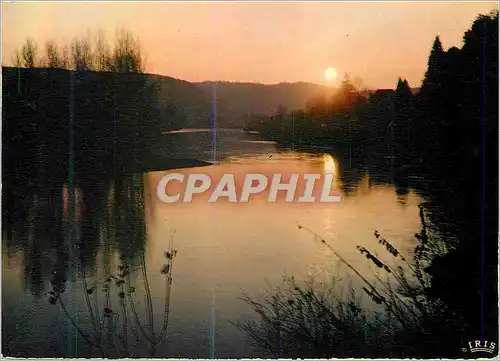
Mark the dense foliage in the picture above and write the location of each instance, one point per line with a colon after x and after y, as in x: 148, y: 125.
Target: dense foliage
x: 446, y: 134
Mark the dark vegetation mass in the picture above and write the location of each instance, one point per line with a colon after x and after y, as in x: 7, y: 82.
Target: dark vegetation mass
x: 96, y: 96
x: 447, y: 134
x: 90, y: 108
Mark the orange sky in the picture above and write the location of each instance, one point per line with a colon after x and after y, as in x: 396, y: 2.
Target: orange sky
x: 267, y: 42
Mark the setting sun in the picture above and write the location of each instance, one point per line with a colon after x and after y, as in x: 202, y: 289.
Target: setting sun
x: 295, y: 161
x: 330, y: 75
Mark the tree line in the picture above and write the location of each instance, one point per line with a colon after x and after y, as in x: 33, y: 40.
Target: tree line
x: 446, y: 134
x: 89, y: 52
x: 102, y: 87
x: 349, y: 120
x: 401, y: 121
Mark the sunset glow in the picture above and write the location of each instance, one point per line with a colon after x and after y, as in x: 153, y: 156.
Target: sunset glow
x: 266, y: 42
x: 321, y: 167
x: 330, y: 75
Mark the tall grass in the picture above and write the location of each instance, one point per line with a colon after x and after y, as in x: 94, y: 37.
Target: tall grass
x: 309, y: 319
x: 113, y: 308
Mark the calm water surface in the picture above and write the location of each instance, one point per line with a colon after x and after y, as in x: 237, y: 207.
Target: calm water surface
x: 224, y: 251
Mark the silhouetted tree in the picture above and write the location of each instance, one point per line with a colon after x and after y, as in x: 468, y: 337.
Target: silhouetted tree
x: 127, y: 53
x: 86, y: 53
x: 17, y: 59
x: 102, y: 57
x: 435, y: 63
x: 29, y: 53
x: 82, y: 54
x: 54, y: 58
x: 459, y: 106
x: 403, y: 90
x: 431, y: 98
x: 403, y: 103
x: 347, y: 86
x: 65, y: 59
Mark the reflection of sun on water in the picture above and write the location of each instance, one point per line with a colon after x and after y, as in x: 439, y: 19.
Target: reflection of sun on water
x: 328, y: 213
x: 329, y: 165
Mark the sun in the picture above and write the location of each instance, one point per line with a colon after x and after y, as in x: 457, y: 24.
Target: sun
x: 330, y: 74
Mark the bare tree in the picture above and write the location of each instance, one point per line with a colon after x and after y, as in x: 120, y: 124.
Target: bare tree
x: 17, y: 60
x: 127, y: 53
x: 65, y: 61
x: 86, y: 53
x: 102, y: 53
x: 82, y: 53
x: 53, y: 56
x: 29, y: 53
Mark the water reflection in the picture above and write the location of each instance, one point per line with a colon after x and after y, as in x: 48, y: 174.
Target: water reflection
x: 329, y: 164
x: 84, y: 248
x: 112, y: 281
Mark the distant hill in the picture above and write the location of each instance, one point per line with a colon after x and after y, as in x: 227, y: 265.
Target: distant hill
x: 181, y: 104
x: 190, y: 104
x: 238, y: 101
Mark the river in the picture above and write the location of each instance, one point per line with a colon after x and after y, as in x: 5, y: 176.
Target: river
x: 224, y: 250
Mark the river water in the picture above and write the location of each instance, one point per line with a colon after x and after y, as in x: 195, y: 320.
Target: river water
x: 224, y: 250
